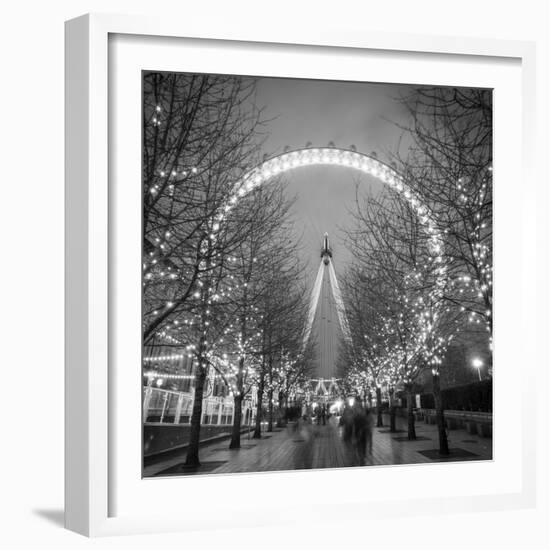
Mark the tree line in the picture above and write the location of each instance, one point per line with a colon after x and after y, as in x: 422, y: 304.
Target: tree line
x: 402, y: 320
x: 222, y: 276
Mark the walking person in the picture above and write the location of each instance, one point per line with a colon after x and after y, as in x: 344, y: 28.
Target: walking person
x: 303, y: 458
x: 369, y: 425
x: 360, y: 429
x: 347, y: 423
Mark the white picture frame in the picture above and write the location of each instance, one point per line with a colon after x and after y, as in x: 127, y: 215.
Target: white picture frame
x: 95, y: 442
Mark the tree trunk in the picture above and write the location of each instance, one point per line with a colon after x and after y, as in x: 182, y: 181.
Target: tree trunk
x: 443, y: 443
x: 239, y: 390
x: 392, y: 412
x: 260, y: 398
x: 411, y: 432
x: 192, y: 458
x: 393, y: 428
x: 236, y: 432
x: 270, y: 392
x: 281, y: 411
x: 238, y: 400
x: 379, y: 422
x: 286, y: 409
x: 270, y: 419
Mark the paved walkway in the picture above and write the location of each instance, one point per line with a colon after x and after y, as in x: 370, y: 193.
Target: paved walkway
x: 322, y: 447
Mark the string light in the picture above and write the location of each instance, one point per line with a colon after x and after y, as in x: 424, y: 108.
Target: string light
x: 329, y: 156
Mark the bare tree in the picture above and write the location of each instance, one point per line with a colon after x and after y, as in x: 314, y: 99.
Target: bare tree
x: 282, y: 326
x: 450, y: 166
x: 201, y: 134
x: 393, y: 299
x: 361, y: 355
x: 290, y: 358
x: 266, y: 275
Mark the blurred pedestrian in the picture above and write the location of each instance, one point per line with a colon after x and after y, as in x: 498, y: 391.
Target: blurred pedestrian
x: 360, y: 429
x: 347, y: 422
x: 318, y: 414
x: 304, y: 427
x: 369, y: 425
x: 303, y: 458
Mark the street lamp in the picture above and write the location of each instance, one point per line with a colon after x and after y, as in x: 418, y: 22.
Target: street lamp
x: 477, y: 363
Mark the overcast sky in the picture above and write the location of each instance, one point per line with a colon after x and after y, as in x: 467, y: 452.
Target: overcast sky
x: 319, y: 112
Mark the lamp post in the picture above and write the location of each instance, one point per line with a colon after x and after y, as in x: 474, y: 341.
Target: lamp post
x: 477, y: 363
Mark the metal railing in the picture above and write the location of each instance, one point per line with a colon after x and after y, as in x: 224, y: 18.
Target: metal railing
x: 462, y: 415
x: 170, y: 407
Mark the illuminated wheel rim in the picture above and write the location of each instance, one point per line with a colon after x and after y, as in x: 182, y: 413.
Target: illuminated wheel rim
x: 331, y: 156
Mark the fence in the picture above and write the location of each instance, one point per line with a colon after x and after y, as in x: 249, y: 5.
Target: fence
x: 170, y: 407
x: 480, y: 423
x: 477, y: 396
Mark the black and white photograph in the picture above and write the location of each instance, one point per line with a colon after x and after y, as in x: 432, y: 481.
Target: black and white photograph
x: 317, y: 274
x: 276, y: 275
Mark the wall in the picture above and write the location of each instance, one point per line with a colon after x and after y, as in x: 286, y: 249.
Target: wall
x: 162, y: 437
x: 31, y: 34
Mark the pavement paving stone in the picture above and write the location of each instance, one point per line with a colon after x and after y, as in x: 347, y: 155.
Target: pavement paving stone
x: 317, y: 447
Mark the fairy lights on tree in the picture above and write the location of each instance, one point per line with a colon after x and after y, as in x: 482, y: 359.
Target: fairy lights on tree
x: 393, y: 294
x: 402, y: 320
x: 198, y: 140
x: 450, y: 166
x: 215, y: 246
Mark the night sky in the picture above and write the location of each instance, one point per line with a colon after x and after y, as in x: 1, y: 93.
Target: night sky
x: 319, y: 112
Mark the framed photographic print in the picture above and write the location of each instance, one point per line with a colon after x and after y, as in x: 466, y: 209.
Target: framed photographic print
x: 287, y: 276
